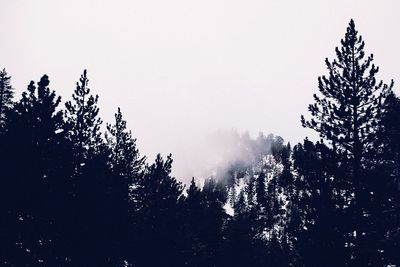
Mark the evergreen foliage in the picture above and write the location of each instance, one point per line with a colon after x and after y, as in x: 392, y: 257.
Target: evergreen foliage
x: 83, y: 123
x: 71, y: 196
x: 348, y: 114
x: 6, y: 96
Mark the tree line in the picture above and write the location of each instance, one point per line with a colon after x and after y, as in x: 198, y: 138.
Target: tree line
x: 73, y: 195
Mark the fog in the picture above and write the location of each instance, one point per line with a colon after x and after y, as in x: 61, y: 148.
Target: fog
x: 182, y: 70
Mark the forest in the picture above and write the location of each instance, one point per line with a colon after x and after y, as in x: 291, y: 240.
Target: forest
x: 75, y: 191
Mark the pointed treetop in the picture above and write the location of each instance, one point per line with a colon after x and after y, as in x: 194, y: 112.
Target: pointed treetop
x: 6, y: 96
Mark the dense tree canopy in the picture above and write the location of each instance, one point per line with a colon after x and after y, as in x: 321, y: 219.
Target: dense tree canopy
x: 71, y: 195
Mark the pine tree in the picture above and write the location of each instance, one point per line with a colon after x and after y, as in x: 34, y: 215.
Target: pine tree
x: 215, y: 197
x: 83, y: 121
x: 99, y: 196
x: 347, y: 114
x: 158, y: 212
x: 348, y: 109
x: 316, y: 226
x: 194, y: 215
x: 261, y: 193
x: 125, y: 159
x: 263, y: 205
x: 6, y: 96
x: 388, y: 169
x: 389, y: 135
x: 239, y: 235
x: 126, y: 166
x: 35, y: 167
x: 251, y: 191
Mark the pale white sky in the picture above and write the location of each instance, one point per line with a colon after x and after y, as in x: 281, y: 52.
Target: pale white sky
x: 182, y: 68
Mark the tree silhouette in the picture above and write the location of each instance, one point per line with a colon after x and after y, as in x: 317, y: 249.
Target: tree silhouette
x: 347, y: 114
x: 215, y: 197
x: 158, y: 212
x: 388, y: 168
x: 317, y: 226
x: 83, y: 121
x: 125, y: 159
x: 193, y: 227
x: 6, y: 96
x: 127, y: 167
x: 35, y: 140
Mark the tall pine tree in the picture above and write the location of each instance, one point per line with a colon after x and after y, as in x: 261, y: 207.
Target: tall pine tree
x: 6, y: 96
x: 34, y: 166
x: 126, y: 166
x: 83, y: 121
x: 125, y: 159
x: 347, y: 113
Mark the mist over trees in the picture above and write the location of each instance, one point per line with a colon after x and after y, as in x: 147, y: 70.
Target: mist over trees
x: 77, y: 192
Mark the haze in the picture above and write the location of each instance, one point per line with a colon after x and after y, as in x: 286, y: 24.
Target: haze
x: 182, y: 69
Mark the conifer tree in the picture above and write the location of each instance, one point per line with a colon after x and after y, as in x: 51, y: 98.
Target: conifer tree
x: 388, y: 168
x: 348, y: 108
x: 215, y: 196
x: 251, y: 191
x: 126, y: 166
x: 125, y: 159
x: 261, y: 193
x: 6, y: 96
x: 34, y: 171
x: 389, y: 136
x: 263, y: 205
x: 83, y: 121
x: 194, y: 215
x: 347, y: 113
x: 316, y: 208
x: 158, y: 211
x: 95, y: 189
x: 239, y: 235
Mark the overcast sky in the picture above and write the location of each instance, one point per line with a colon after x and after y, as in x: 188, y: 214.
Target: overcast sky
x: 180, y: 68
